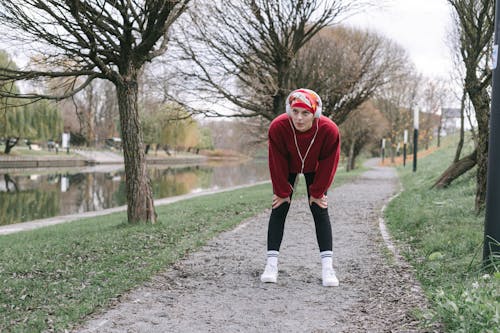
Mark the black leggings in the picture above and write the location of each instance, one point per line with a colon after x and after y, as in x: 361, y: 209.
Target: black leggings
x: 320, y: 215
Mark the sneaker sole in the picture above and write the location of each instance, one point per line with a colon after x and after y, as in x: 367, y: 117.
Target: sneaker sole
x: 331, y: 284
x: 268, y: 280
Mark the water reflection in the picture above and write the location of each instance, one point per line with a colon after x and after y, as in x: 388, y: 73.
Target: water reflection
x: 42, y: 193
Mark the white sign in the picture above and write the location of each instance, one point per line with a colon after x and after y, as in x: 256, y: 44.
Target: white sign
x: 64, y: 184
x: 383, y: 143
x: 494, y: 57
x: 65, y: 140
x: 406, y: 137
x: 415, y: 119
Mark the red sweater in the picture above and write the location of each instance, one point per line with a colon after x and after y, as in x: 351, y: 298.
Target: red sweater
x: 284, y: 159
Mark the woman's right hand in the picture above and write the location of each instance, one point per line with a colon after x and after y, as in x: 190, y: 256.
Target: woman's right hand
x: 277, y: 201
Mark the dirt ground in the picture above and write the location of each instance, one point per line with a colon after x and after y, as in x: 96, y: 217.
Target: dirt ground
x: 218, y: 288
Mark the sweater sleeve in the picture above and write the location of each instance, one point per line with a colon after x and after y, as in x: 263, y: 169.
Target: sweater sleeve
x: 327, y: 164
x: 278, y: 163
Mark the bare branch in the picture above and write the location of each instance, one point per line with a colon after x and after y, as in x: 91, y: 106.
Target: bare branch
x: 242, y: 51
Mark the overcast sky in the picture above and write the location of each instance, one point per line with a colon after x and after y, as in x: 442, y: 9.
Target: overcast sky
x: 419, y: 26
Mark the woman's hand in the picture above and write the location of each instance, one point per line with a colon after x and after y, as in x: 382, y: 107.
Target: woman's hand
x: 321, y: 202
x: 277, y: 201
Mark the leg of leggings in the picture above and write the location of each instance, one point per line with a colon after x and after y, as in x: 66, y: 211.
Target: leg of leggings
x: 277, y: 222
x: 321, y: 220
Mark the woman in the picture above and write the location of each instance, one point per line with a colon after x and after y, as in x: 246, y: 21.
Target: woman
x: 302, y: 141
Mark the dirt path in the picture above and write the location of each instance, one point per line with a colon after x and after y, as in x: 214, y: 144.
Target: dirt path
x: 218, y: 289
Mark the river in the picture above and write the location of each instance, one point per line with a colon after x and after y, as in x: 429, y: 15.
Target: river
x: 32, y: 194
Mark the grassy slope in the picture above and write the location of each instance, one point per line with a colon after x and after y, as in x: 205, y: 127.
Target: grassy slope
x: 442, y: 236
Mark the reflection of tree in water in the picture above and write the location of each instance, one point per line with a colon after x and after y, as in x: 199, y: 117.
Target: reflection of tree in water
x: 28, y: 205
x: 244, y: 173
x: 30, y: 198
x: 177, y: 181
x: 77, y: 178
x: 92, y: 191
x: 9, y: 180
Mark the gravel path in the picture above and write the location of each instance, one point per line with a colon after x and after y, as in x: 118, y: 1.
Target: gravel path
x: 218, y: 289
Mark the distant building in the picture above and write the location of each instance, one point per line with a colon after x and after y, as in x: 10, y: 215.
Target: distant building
x: 450, y: 120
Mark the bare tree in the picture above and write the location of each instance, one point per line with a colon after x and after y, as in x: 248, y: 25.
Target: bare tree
x: 346, y: 66
x: 457, y: 76
x: 475, y: 22
x: 239, y: 54
x: 397, y: 102
x: 96, y: 109
x: 358, y: 131
x: 433, y: 95
x: 106, y: 39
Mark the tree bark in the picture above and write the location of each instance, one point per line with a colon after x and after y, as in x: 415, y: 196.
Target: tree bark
x: 481, y: 101
x: 9, y: 145
x: 8, y: 180
x: 138, y: 184
x: 455, y: 170
x: 462, y: 125
x: 350, y: 157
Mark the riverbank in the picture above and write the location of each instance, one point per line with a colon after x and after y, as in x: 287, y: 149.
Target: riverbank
x: 24, y: 158
x: 27, y: 226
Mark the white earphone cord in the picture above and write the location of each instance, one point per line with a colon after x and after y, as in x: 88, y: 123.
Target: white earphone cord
x: 303, y: 160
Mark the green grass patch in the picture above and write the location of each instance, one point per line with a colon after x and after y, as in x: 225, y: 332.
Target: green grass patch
x: 442, y: 236
x: 53, y: 277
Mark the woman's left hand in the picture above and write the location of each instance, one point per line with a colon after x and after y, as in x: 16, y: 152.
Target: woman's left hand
x: 321, y: 202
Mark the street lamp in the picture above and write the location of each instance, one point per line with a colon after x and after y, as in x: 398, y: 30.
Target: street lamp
x: 415, y: 139
x: 492, y: 218
x: 383, y: 150
x: 405, y: 142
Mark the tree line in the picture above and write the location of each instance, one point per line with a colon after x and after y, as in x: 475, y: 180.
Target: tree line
x: 233, y: 59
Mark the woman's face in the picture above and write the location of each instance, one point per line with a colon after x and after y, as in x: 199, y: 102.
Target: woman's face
x: 302, y: 119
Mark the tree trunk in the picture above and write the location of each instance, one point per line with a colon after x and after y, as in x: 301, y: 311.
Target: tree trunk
x: 140, y: 204
x: 481, y: 101
x: 462, y: 125
x: 350, y: 157
x: 456, y: 169
x: 8, y: 180
x: 439, y: 135
x: 353, y: 161
x: 9, y: 145
x: 482, y: 170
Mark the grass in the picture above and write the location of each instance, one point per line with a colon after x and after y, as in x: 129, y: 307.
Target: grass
x: 442, y: 236
x: 53, y: 277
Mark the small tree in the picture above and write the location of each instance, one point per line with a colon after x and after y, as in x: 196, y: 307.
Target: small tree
x: 432, y: 95
x: 170, y: 126
x: 397, y: 103
x: 358, y: 131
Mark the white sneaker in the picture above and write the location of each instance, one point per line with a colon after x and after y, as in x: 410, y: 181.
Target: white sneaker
x: 270, y: 274
x: 329, y: 277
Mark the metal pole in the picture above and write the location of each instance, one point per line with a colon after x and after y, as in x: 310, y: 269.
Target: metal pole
x: 404, y: 147
x: 383, y: 150
x: 492, y: 218
x: 415, y: 139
